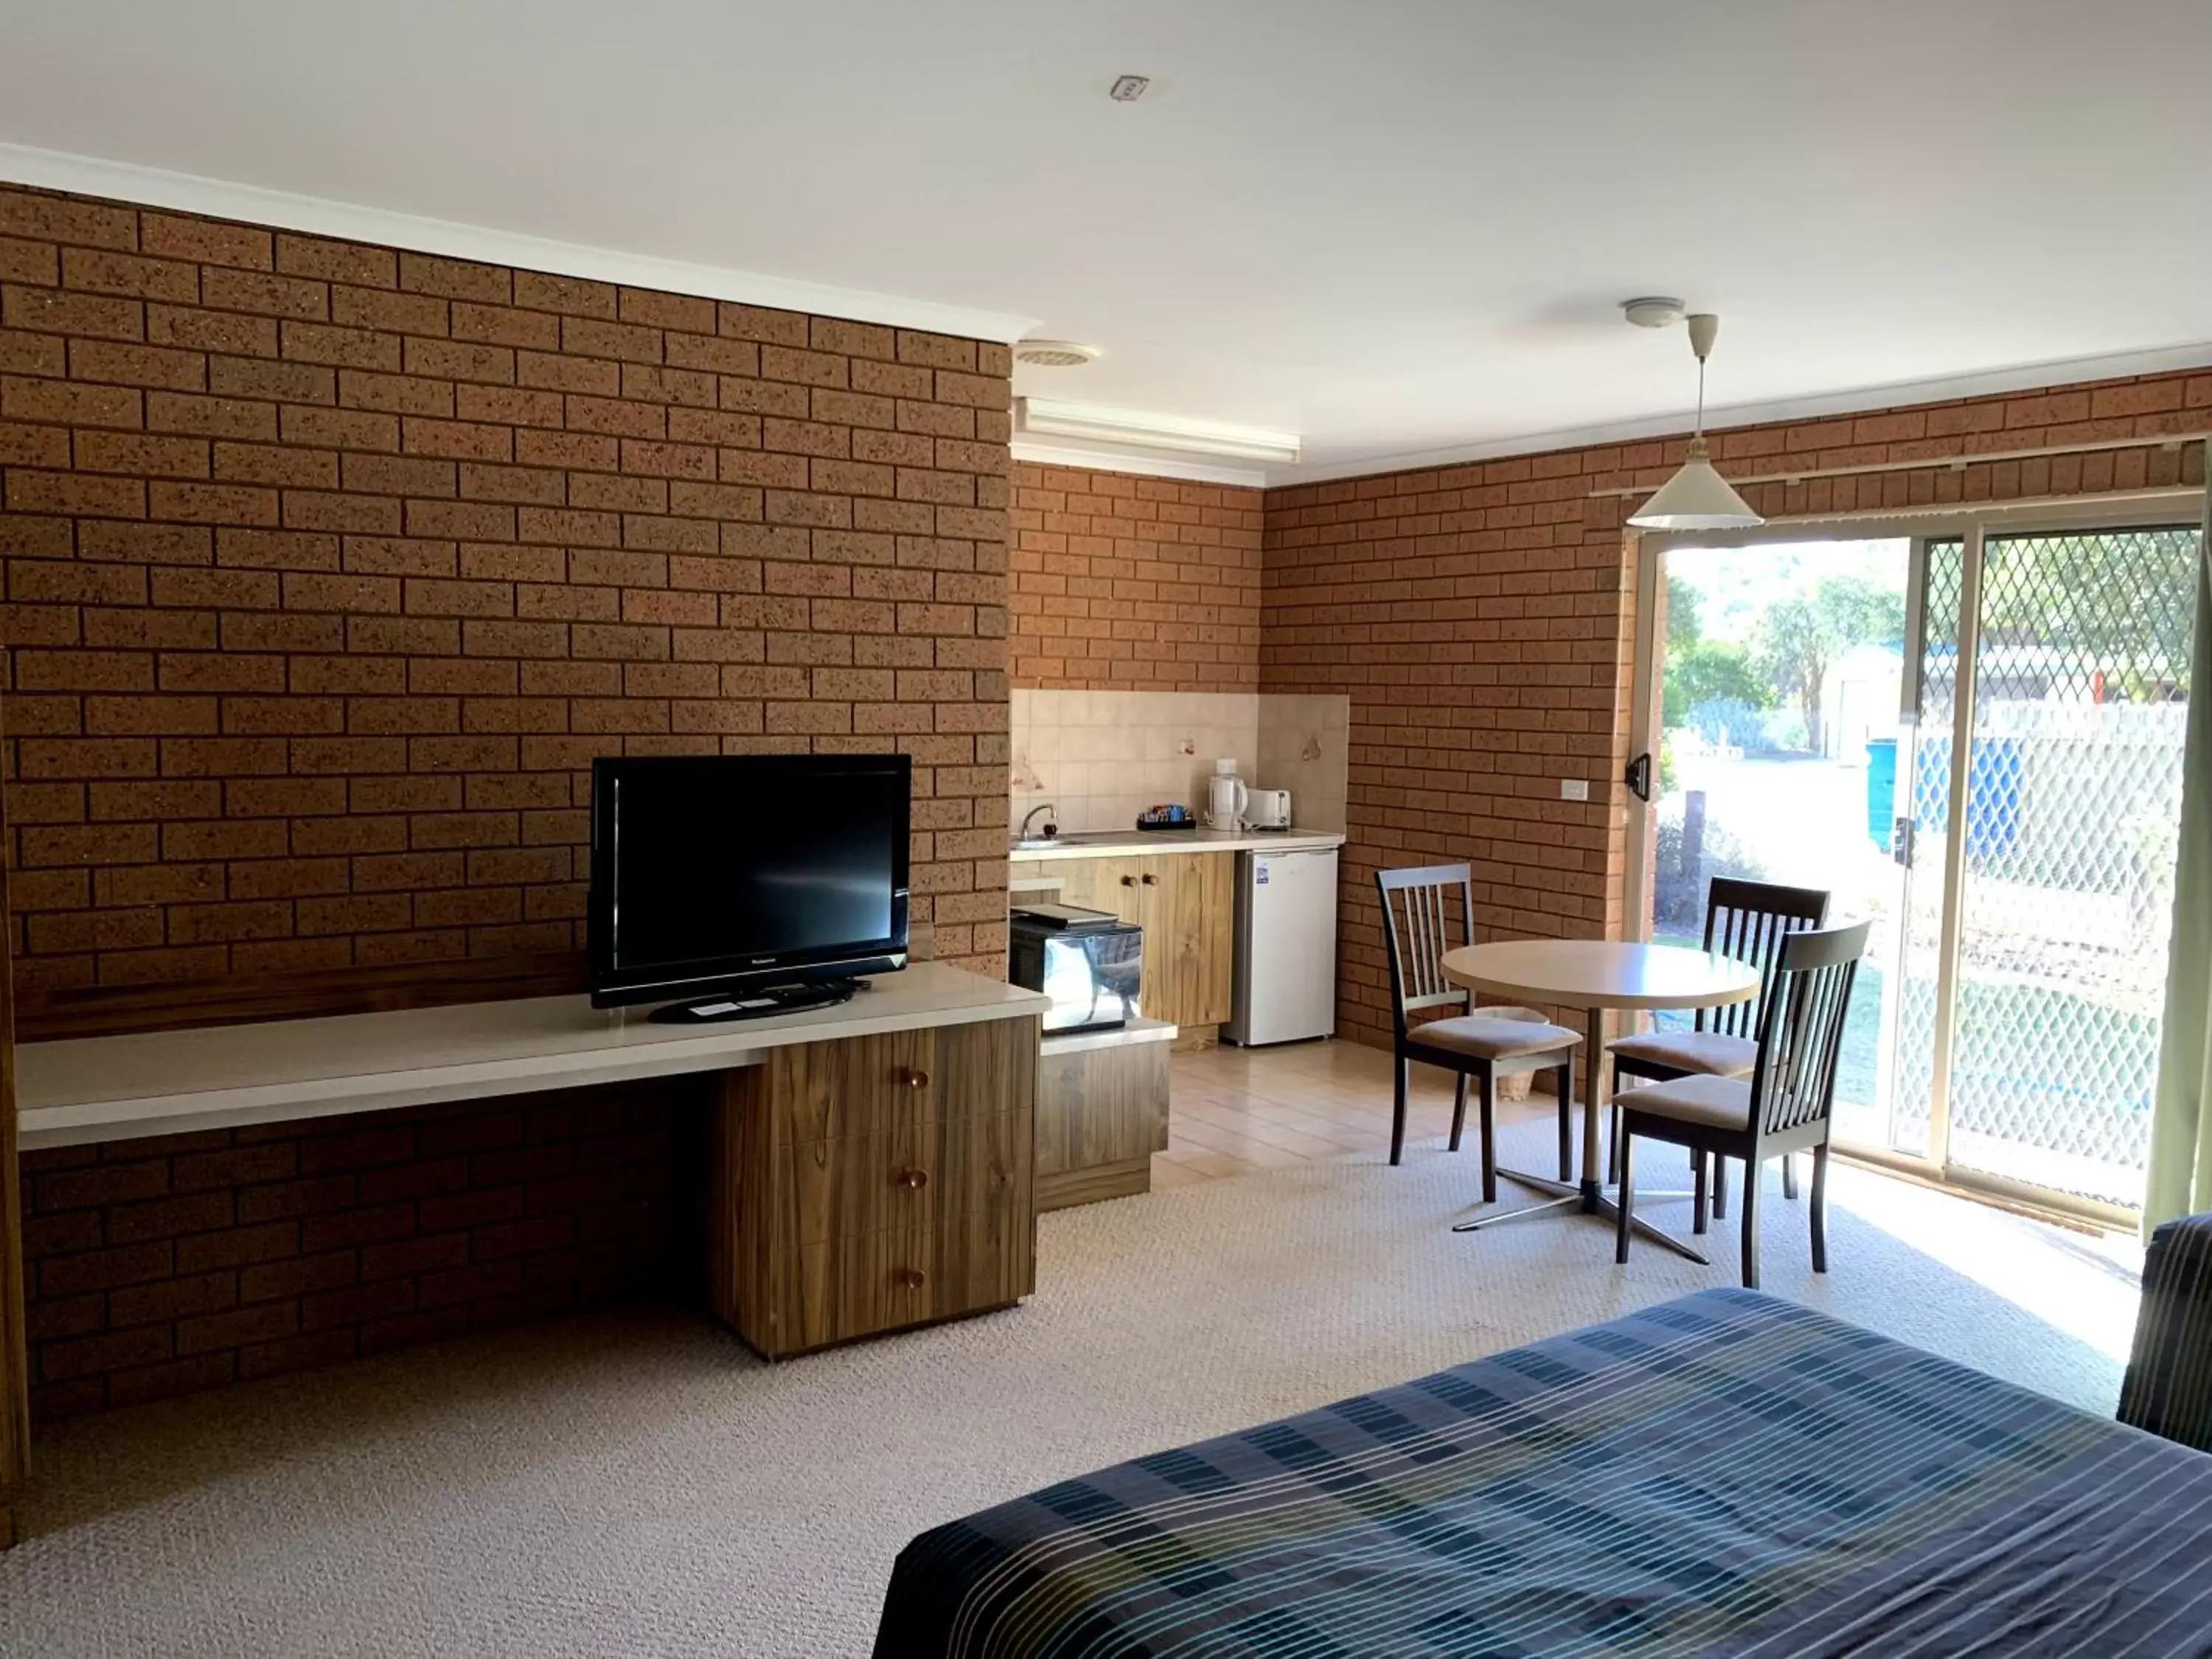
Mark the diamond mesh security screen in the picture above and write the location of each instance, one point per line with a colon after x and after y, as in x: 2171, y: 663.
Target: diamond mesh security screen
x: 2073, y: 800
x: 1922, y: 923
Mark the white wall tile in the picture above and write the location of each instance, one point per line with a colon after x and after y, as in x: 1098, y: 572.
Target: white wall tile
x: 1101, y: 757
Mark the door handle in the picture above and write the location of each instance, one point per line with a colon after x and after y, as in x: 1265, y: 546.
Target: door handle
x: 1128, y: 881
x: 913, y: 1180
x: 1638, y: 776
x: 1151, y: 881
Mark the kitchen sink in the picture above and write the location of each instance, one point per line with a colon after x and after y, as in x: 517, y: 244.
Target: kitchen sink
x: 1073, y: 838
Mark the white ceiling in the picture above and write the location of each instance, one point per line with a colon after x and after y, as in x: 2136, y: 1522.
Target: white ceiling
x: 1397, y: 226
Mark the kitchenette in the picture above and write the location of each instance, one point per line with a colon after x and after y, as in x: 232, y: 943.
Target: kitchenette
x: 1174, y: 883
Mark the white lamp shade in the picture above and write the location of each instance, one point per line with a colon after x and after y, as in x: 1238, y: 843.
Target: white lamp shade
x: 1695, y: 498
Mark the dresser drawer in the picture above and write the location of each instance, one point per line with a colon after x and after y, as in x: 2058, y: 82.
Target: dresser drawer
x: 843, y: 1288
x: 859, y: 1184
x: 855, y: 1086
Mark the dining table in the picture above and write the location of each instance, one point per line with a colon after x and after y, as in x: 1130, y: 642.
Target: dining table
x: 1597, y: 976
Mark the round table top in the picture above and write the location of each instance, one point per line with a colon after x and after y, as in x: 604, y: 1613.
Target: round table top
x: 1588, y: 973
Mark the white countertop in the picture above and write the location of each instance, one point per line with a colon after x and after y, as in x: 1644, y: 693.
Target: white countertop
x: 1122, y: 844
x: 108, y: 1088
x: 1122, y: 1037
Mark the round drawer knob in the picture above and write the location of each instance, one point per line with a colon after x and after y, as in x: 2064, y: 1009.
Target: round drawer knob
x: 914, y: 1179
x: 1128, y: 881
x: 915, y: 1079
x: 909, y: 1278
x: 1151, y: 881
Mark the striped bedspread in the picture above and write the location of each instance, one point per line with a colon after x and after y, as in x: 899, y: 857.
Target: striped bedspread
x: 1725, y: 1475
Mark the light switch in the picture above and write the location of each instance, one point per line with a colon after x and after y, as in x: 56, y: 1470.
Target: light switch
x: 1574, y: 789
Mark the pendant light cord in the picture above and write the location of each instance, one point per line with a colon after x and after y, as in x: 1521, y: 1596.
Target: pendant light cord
x: 1699, y: 431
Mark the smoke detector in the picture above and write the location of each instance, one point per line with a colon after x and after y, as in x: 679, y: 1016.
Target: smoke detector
x: 1653, y: 311
x: 1054, y: 354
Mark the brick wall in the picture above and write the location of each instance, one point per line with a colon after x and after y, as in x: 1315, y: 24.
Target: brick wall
x: 158, y: 1266
x: 1480, y: 618
x: 1133, y: 584
x: 328, y: 568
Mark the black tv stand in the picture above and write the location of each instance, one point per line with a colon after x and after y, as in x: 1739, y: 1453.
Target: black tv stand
x: 758, y: 1004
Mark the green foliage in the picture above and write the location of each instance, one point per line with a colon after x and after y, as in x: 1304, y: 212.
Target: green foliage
x: 1800, y: 639
x: 1711, y: 671
x: 2124, y: 602
x: 1684, y: 629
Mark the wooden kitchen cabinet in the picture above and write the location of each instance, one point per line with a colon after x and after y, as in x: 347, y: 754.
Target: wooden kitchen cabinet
x: 867, y: 1183
x: 1186, y: 902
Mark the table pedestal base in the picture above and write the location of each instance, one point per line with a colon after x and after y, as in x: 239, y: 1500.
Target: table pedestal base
x: 1587, y: 1198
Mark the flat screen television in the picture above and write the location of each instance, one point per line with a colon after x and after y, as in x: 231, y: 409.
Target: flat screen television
x: 729, y: 875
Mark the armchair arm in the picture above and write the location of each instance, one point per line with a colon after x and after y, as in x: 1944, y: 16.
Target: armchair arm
x: 2168, y: 1388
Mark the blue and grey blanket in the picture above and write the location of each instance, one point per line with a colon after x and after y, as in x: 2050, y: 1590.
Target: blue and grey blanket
x: 1724, y: 1474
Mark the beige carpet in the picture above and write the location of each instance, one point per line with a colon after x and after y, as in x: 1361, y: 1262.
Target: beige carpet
x: 637, y: 1484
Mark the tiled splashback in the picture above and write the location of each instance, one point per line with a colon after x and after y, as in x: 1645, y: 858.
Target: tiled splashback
x: 1101, y: 758
x: 1304, y: 747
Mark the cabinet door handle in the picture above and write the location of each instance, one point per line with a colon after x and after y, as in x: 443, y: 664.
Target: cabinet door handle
x: 914, y: 1180
x: 909, y: 1278
x: 1131, y: 881
x: 1151, y: 881
x: 914, y: 1079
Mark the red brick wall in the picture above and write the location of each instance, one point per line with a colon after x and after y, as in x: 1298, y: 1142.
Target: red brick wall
x: 1124, y: 583
x: 162, y: 1265
x: 328, y: 567
x: 1480, y: 618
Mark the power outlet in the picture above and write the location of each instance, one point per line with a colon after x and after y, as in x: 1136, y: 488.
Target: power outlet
x: 1574, y: 789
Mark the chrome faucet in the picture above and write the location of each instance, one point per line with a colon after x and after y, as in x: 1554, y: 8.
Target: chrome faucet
x: 1029, y: 817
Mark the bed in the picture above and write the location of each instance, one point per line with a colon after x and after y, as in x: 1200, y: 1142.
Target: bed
x: 1724, y: 1474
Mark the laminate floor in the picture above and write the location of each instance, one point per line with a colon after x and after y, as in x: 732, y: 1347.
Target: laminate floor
x: 1235, y: 1111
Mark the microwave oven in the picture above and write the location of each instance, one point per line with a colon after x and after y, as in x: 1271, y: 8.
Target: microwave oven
x: 1087, y: 962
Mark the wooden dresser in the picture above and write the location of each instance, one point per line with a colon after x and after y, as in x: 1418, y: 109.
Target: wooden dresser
x: 872, y: 1182
x: 874, y: 1162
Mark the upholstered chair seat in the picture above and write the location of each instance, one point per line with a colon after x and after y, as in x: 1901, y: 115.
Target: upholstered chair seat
x: 1487, y: 1037
x: 1719, y: 1102
x: 1708, y: 1054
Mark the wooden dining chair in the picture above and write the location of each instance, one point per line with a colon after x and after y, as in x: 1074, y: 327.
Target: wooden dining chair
x: 1746, y: 922
x: 1784, y: 1106
x: 1484, y: 1043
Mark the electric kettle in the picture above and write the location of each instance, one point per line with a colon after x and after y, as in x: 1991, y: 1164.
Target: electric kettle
x: 1225, y: 797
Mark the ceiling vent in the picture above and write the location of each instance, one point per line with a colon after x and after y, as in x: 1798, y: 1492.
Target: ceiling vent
x: 1054, y: 354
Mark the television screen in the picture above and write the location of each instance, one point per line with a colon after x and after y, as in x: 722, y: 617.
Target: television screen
x: 719, y: 872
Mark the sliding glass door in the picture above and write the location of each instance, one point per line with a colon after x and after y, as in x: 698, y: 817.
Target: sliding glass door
x: 1778, y: 692
x: 1975, y: 739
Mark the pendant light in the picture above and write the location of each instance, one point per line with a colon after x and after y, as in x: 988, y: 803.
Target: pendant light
x: 1697, y: 497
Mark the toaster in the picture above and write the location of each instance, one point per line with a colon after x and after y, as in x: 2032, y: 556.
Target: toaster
x: 1268, y: 809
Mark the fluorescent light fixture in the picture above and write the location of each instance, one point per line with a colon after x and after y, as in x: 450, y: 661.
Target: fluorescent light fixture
x: 1056, y: 418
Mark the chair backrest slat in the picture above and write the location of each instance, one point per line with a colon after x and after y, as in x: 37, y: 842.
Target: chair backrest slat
x: 1748, y: 921
x: 1800, y: 1032
x: 1417, y: 929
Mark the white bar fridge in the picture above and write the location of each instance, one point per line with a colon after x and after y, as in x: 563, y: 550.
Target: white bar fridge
x: 1285, y: 947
